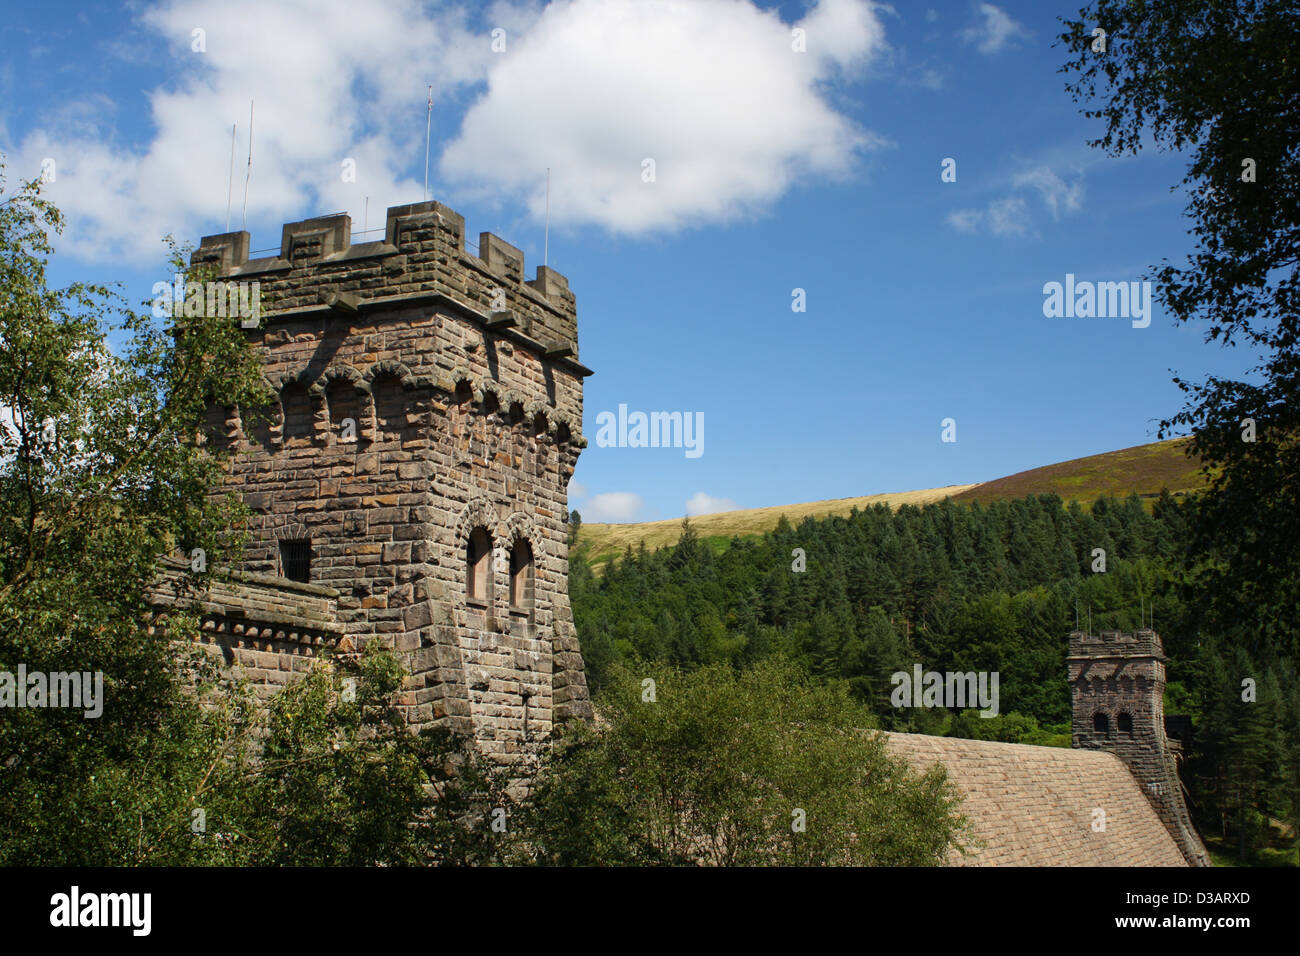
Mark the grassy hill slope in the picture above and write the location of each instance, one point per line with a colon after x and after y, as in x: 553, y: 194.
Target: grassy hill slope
x: 1143, y: 469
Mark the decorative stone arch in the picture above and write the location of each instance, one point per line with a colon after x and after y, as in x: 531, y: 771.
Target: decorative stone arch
x: 516, y: 411
x: 316, y: 405
x: 344, y: 376
x: 461, y: 375
x: 495, y: 392
x: 382, y: 409
x: 564, y: 430
x: 518, y: 524
x: 478, y: 512
x: 344, y: 373
x: 538, y: 410
x: 390, y: 368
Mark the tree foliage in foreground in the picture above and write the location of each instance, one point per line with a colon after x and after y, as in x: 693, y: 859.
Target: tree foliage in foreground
x: 727, y: 768
x: 1219, y: 80
x: 100, y: 474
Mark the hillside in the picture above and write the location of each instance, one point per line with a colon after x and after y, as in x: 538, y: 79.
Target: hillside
x: 1144, y: 469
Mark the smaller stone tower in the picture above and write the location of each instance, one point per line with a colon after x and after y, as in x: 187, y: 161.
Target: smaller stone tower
x: 1117, y: 685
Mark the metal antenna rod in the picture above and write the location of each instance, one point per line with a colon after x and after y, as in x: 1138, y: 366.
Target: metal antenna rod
x: 249, y: 174
x: 230, y: 179
x: 428, y: 126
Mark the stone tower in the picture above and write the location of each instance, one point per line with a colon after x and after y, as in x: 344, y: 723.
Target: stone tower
x: 415, y: 462
x: 1117, y: 685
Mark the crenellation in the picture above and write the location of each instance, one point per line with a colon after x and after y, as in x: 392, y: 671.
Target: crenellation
x: 1117, y: 684
x: 409, y: 419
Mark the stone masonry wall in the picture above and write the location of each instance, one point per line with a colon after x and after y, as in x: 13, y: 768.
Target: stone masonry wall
x: 424, y: 393
x: 1123, y: 675
x: 265, y: 629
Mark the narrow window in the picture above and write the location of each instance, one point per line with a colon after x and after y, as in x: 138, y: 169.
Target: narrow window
x: 521, y: 575
x: 345, y: 412
x: 1126, y: 724
x: 299, y: 416
x: 478, y: 566
x: 1100, y: 723
x: 295, y: 559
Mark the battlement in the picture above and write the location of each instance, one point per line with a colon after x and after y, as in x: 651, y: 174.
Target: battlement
x: 1112, y: 644
x: 423, y: 423
x: 422, y: 253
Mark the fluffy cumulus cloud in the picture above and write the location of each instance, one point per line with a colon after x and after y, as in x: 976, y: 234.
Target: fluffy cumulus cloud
x: 711, y: 90
x: 705, y: 504
x: 994, y: 30
x: 658, y: 114
x: 613, y: 506
x: 331, y: 82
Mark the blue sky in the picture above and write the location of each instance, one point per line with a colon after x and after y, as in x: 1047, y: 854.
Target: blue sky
x: 776, y: 169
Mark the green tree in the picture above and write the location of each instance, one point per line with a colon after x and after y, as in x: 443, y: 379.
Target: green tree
x: 1220, y: 81
x: 102, y: 470
x: 719, y: 767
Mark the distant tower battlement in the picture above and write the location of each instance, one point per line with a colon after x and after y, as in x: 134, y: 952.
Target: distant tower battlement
x: 1117, y: 685
x: 426, y: 422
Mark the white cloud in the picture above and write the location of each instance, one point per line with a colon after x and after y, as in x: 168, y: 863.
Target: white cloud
x: 1008, y: 217
x: 996, y: 32
x: 577, y: 490
x: 705, y: 504
x: 965, y: 220
x: 710, y: 89
x: 1055, y: 193
x: 613, y: 506
x: 330, y: 80
x: 1002, y: 217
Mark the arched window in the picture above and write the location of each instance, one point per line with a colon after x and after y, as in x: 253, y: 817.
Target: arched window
x: 345, y: 412
x: 214, y: 427
x: 391, y: 406
x: 299, y: 416
x: 521, y: 576
x: 257, y: 425
x: 1101, y: 723
x: 478, y: 567
x: 1125, y: 722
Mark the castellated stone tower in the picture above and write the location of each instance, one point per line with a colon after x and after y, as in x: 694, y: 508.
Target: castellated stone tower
x: 1117, y: 685
x: 414, y: 466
